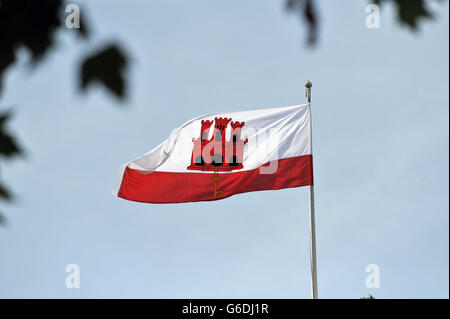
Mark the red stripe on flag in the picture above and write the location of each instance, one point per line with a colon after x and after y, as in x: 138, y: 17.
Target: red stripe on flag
x: 170, y: 187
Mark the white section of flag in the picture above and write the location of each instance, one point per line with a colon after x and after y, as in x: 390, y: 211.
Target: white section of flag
x: 273, y: 133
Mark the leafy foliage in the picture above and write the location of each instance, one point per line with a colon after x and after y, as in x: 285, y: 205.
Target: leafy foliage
x: 8, y: 149
x: 105, y: 66
x: 306, y: 10
x: 29, y: 24
x: 32, y: 25
x: 8, y: 146
x: 409, y: 12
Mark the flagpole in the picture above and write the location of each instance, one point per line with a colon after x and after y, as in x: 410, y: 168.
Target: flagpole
x: 312, y: 218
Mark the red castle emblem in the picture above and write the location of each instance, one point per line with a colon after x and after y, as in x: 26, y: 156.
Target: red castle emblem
x: 217, y: 154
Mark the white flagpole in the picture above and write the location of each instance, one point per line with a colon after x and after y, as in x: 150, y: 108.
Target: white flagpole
x: 312, y: 218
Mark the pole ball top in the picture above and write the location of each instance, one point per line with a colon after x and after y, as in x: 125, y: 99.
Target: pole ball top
x: 308, y: 85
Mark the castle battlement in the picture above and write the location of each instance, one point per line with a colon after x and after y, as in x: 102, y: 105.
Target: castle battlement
x: 222, y: 122
x: 222, y: 119
x: 206, y: 123
x: 236, y: 124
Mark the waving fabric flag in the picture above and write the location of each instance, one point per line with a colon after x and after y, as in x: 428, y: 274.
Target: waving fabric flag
x: 216, y: 156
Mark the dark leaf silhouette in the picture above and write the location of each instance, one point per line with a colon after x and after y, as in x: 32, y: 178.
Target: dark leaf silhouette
x: 8, y: 149
x: 105, y: 67
x: 306, y: 10
x: 30, y: 24
x: 8, y: 145
x: 4, y: 193
x: 409, y: 12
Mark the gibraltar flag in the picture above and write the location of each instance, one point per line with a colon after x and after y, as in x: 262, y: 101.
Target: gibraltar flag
x: 219, y: 155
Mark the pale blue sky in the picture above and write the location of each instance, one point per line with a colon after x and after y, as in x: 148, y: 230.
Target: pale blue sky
x: 380, y: 119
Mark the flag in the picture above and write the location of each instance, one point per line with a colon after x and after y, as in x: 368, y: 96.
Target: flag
x: 219, y: 155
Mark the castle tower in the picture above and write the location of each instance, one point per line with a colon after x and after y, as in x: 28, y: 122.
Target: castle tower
x: 219, y: 129
x: 197, y: 158
x: 204, y: 132
x: 236, y: 130
x: 236, y: 147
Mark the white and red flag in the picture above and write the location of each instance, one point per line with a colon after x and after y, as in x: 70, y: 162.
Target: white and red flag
x: 219, y: 155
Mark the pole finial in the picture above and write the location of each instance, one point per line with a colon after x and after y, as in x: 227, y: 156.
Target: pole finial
x: 308, y: 86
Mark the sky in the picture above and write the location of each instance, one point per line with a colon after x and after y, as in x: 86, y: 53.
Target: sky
x: 380, y: 112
